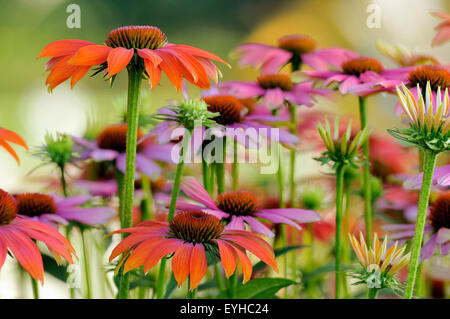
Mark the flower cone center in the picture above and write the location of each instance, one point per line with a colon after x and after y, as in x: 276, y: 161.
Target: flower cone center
x: 438, y: 77
x: 196, y: 227
x: 35, y: 204
x: 114, y: 137
x: 297, y: 44
x: 273, y: 81
x: 440, y: 212
x: 229, y: 107
x: 360, y: 65
x: 136, y: 37
x: 237, y: 203
x: 8, y: 207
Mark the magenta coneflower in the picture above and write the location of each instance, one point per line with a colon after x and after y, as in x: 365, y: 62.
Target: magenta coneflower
x: 361, y: 76
x: 438, y: 225
x: 241, y: 207
x: 17, y: 234
x: 292, y: 48
x: 54, y: 209
x: 110, y: 145
x: 274, y: 90
x: 188, y: 237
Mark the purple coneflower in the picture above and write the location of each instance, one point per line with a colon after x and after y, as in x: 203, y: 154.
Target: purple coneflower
x: 241, y: 207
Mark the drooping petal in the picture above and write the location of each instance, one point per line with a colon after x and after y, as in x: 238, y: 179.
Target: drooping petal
x: 428, y: 249
x: 118, y: 59
x: 227, y: 257
x: 244, y: 262
x: 258, y: 227
x: 160, y: 250
x: 181, y: 261
x: 198, y: 265
x: 62, y: 47
x: 140, y: 254
x: 170, y: 66
x: 91, y: 55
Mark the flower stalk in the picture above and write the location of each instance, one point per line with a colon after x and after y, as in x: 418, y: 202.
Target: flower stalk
x: 366, y: 172
x: 424, y: 195
x: 134, y: 85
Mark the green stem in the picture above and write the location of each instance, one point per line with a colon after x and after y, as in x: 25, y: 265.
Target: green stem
x: 71, y: 289
x: 192, y: 294
x: 147, y: 212
x: 366, y: 172
x: 218, y: 276
x: 429, y: 164
x: 345, y: 244
x: 134, y: 85
x: 173, y: 203
x: 292, y: 158
x: 235, y: 167
x: 86, y: 264
x: 339, y: 203
x: 63, y: 180
x: 280, y: 183
x: 233, y: 285
x: 120, y: 195
x: 373, y: 293
x: 220, y: 169
x: 35, y: 287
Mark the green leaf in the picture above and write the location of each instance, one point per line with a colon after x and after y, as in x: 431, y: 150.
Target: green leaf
x: 278, y: 252
x: 262, y: 288
x: 52, y: 268
x: 171, y: 285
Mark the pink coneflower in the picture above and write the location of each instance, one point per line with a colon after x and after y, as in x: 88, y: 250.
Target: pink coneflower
x: 188, y: 237
x: 361, y: 76
x: 17, y: 234
x: 291, y: 48
x: 438, y: 225
x: 130, y: 46
x: 397, y: 200
x: 443, y: 29
x: 274, y: 90
x: 110, y: 145
x: 441, y: 179
x: 55, y: 210
x: 240, y: 208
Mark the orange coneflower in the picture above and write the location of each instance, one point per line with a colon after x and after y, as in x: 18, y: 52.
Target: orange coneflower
x: 189, y: 236
x: 145, y: 47
x: 10, y: 136
x: 17, y: 234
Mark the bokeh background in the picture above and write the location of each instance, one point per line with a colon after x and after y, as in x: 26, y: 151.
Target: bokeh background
x: 26, y: 26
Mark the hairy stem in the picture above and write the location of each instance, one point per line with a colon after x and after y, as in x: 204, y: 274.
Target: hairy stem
x: 366, y: 172
x: 339, y: 203
x: 429, y: 164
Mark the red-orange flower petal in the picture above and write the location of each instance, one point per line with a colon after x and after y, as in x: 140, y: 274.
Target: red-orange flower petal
x: 3, y: 253
x: 255, y: 248
x: 199, y: 52
x: 12, y: 137
x: 148, y: 54
x: 140, y: 254
x: 153, y: 72
x: 198, y: 265
x: 62, y: 47
x: 227, y: 256
x: 180, y: 263
x: 10, y: 150
x: 171, y: 68
x: 118, y: 59
x: 158, y: 251
x: 244, y: 262
x: 78, y: 74
x: 91, y: 55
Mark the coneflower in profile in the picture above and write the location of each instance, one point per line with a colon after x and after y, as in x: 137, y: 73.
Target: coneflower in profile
x: 379, y: 262
x: 190, y: 237
x: 429, y: 131
x: 144, y: 52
